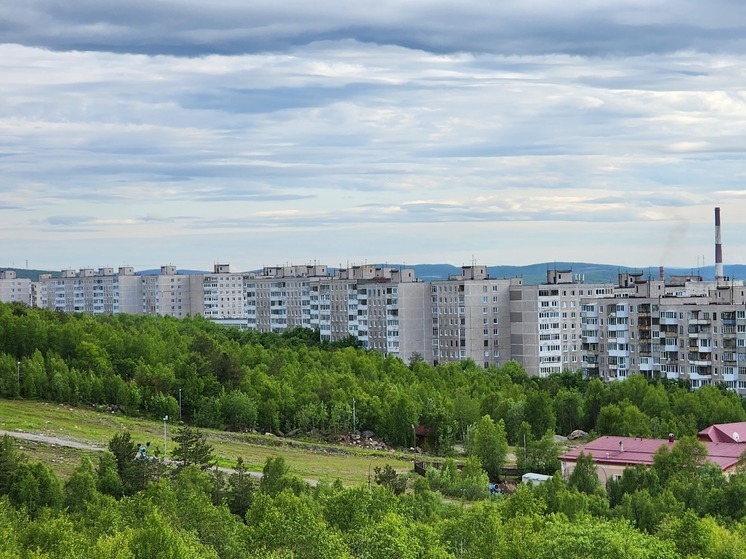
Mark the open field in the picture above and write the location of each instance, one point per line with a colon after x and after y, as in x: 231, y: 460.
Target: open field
x: 308, y: 460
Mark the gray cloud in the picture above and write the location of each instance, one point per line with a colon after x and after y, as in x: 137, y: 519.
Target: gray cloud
x: 358, y: 145
x: 190, y: 28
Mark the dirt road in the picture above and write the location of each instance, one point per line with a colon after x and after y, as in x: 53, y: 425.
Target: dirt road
x: 48, y: 439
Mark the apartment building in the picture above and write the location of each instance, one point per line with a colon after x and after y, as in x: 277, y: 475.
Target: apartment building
x: 359, y: 301
x: 14, y: 289
x: 464, y: 317
x: 224, y: 296
x: 279, y: 298
x: 681, y: 329
x: 545, y: 322
x: 90, y: 291
x: 169, y: 293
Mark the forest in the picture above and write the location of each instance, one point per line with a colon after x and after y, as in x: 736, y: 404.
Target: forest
x: 244, y: 380
x: 126, y: 507
x: 122, y: 506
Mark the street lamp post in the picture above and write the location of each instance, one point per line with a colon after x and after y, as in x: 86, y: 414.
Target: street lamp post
x: 165, y: 434
x: 18, y: 373
x: 414, y: 439
x: 179, y: 404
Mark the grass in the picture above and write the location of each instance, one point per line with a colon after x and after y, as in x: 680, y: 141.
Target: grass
x: 308, y: 460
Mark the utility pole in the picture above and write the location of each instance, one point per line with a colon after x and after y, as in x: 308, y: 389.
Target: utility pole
x: 179, y: 404
x: 353, y: 415
x: 18, y: 374
x: 165, y: 435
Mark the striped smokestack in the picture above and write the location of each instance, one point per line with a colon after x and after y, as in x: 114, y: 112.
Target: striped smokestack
x: 718, y: 248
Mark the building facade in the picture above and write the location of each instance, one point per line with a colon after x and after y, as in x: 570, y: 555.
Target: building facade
x: 14, y: 289
x: 684, y: 329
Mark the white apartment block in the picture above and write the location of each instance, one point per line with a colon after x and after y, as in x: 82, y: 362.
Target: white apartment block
x: 169, y: 293
x: 88, y: 291
x: 684, y: 329
x: 279, y: 298
x: 464, y: 317
x: 545, y: 322
x: 223, y: 294
x: 14, y: 289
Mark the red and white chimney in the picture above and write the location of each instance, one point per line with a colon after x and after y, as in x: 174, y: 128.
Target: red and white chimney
x: 719, y: 275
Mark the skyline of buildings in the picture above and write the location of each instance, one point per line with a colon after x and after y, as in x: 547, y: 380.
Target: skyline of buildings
x: 676, y: 326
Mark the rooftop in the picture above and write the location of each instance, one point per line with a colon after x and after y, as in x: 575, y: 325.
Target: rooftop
x: 631, y: 451
x: 724, y: 433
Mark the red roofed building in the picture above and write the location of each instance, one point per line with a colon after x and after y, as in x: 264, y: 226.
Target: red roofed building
x: 724, y: 433
x: 613, y: 455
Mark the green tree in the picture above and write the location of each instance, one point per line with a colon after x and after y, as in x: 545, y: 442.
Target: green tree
x: 80, y: 488
x: 109, y: 482
x: 539, y: 456
x: 540, y: 413
x: 488, y: 442
x: 240, y: 489
x: 276, y: 477
x: 292, y: 525
x: 34, y: 487
x: 584, y: 477
x: 388, y: 478
x: 10, y: 459
x: 238, y: 410
x: 390, y: 537
x: 134, y: 471
x: 192, y: 448
x: 568, y: 409
x: 595, y: 399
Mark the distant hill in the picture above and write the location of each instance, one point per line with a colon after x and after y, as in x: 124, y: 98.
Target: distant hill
x: 155, y: 272
x: 33, y: 275
x: 532, y: 274
x: 590, y: 273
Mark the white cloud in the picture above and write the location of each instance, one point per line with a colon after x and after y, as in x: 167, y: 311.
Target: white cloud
x: 314, y: 143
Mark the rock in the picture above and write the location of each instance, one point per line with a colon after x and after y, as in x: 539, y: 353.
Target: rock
x: 577, y: 434
x: 368, y: 434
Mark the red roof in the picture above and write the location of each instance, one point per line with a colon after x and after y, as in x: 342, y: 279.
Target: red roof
x: 629, y: 451
x: 724, y: 433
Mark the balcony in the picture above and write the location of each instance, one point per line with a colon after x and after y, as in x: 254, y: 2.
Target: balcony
x: 700, y: 362
x: 646, y: 364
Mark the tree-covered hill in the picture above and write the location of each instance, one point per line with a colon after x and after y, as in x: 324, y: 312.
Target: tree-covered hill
x: 126, y: 507
x: 242, y: 380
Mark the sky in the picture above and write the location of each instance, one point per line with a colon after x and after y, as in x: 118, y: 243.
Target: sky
x: 263, y: 133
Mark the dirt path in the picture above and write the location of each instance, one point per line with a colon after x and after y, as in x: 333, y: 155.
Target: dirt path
x: 58, y: 441
x: 51, y: 440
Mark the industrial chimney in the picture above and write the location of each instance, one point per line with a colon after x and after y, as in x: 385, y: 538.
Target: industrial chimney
x: 719, y: 275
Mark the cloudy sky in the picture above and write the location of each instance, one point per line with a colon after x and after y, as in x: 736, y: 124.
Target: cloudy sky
x: 258, y: 132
